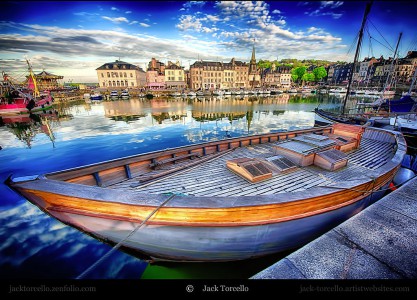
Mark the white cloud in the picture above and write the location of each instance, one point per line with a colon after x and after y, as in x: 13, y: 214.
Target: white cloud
x: 190, y: 4
x: 325, y: 9
x: 209, y: 30
x: 116, y: 20
x: 128, y: 12
x: 276, y: 11
x: 188, y: 22
x: 114, y: 8
x: 331, y: 4
x: 144, y: 25
x: 83, y: 13
x: 213, y: 18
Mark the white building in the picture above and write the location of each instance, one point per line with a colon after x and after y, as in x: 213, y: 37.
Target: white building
x: 120, y: 75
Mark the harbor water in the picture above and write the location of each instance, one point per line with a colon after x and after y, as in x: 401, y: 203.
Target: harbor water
x: 72, y: 134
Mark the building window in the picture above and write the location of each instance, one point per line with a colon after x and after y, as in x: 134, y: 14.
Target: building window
x: 125, y: 74
x: 102, y: 75
x: 131, y: 74
x: 108, y: 74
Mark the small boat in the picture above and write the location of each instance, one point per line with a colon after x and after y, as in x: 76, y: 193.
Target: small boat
x: 175, y: 94
x: 227, y: 200
x: 114, y: 95
x: 330, y: 117
x: 125, y: 94
x: 406, y: 123
x: 97, y: 96
x: 218, y: 93
x: 22, y: 101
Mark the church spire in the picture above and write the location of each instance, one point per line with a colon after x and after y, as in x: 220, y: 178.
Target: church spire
x: 253, y: 52
x: 252, y: 64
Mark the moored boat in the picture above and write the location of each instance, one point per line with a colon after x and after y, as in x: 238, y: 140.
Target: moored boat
x: 18, y: 101
x: 97, y: 96
x: 114, y: 94
x: 224, y: 200
x: 125, y: 94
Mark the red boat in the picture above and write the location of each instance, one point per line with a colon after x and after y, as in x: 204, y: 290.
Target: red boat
x: 18, y: 101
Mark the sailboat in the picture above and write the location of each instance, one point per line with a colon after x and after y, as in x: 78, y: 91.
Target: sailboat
x: 406, y: 123
x: 17, y: 101
x: 343, y: 118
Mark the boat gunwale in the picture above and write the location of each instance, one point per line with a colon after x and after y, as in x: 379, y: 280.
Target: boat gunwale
x: 119, y: 162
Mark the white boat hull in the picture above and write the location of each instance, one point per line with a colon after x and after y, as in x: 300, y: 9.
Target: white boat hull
x: 179, y: 243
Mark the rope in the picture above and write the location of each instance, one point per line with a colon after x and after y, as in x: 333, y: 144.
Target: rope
x: 119, y: 244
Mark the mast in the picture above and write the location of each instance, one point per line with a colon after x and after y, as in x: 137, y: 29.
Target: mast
x: 390, y: 68
x: 32, y: 76
x: 413, y: 82
x: 367, y: 10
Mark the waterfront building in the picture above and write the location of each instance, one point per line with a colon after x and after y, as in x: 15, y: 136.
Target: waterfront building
x: 241, y: 74
x: 155, y: 75
x: 285, y: 77
x: 277, y: 77
x: 155, y: 80
x: 120, y: 75
x: 175, y: 77
x: 364, y: 68
x: 229, y: 76
x: 339, y: 73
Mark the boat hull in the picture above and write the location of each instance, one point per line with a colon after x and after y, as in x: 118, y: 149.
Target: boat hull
x: 221, y: 243
x: 20, y: 108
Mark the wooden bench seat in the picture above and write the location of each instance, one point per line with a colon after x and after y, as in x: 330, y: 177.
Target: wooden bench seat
x: 158, y: 163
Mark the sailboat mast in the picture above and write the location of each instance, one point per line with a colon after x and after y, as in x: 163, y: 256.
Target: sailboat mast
x: 412, y: 82
x: 367, y: 10
x: 391, y: 66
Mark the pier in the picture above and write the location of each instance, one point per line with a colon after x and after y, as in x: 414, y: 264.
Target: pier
x: 378, y: 243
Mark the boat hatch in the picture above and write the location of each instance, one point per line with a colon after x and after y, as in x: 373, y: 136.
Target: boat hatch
x: 315, y: 140
x: 331, y: 159
x: 251, y: 169
x: 283, y: 164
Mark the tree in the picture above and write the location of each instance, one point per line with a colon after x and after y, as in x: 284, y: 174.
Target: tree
x: 319, y: 73
x: 309, y: 77
x: 264, y: 64
x: 294, y: 77
x: 299, y: 72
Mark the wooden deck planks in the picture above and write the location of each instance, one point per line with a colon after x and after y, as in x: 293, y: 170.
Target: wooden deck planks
x: 213, y: 178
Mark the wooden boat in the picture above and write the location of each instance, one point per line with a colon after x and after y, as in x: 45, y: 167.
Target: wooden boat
x: 330, y: 117
x: 225, y: 200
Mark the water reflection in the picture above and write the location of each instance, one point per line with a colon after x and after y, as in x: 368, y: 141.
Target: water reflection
x: 26, y: 127
x: 37, y: 246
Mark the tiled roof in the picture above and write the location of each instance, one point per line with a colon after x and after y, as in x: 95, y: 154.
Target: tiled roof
x: 118, y: 65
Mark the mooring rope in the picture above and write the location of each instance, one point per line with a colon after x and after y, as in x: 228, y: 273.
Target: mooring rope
x: 119, y: 244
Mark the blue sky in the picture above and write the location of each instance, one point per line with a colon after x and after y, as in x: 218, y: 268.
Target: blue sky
x: 74, y: 38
